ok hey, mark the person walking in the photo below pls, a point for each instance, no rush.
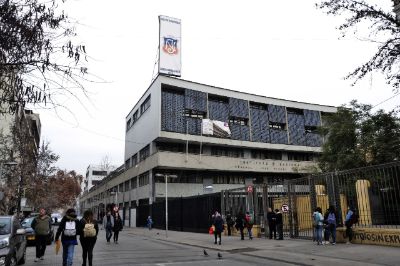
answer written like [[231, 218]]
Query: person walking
[[271, 218], [331, 221], [318, 224], [88, 236], [239, 224], [108, 225], [149, 222], [249, 224], [218, 223], [279, 224], [229, 223], [68, 229], [42, 226], [117, 226]]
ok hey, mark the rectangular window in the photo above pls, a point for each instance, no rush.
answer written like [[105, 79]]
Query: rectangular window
[[135, 117], [128, 163], [238, 121], [194, 114], [134, 183], [121, 187], [102, 173], [128, 124], [274, 125], [144, 153], [144, 179], [145, 105], [127, 186], [299, 156], [134, 160]]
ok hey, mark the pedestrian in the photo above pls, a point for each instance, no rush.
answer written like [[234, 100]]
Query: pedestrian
[[108, 225], [249, 224], [279, 224], [318, 224], [42, 226], [271, 218], [351, 219], [68, 228], [218, 223], [149, 222], [88, 236], [331, 222], [117, 226], [229, 223], [239, 224]]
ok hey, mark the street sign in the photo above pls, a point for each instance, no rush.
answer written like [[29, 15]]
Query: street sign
[[250, 189], [285, 208]]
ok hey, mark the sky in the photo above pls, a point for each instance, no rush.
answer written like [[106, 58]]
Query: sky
[[282, 49]]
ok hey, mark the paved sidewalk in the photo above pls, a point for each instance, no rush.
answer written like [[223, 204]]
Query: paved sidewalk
[[297, 252]]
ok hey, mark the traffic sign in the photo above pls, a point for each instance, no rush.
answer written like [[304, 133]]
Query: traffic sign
[[250, 189], [285, 208]]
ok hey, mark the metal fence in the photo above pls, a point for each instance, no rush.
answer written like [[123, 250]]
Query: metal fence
[[374, 193]]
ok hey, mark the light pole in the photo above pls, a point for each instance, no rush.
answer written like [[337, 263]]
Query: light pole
[[166, 198]]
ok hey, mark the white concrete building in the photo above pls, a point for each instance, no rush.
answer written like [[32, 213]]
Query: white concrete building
[[94, 174], [271, 139]]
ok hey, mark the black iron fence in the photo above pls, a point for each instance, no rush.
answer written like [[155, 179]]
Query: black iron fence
[[190, 214]]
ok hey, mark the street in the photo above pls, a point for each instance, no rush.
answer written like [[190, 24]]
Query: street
[[141, 250]]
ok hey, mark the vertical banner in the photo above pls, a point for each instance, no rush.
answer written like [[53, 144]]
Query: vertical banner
[[170, 46]]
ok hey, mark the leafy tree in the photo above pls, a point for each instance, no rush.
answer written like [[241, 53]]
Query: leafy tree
[[34, 36], [383, 29], [356, 137]]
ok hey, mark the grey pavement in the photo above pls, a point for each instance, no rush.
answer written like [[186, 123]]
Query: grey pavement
[[139, 246]]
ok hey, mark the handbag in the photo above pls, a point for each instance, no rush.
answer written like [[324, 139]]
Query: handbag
[[211, 230]]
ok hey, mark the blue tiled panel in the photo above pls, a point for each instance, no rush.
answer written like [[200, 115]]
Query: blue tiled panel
[[218, 111], [172, 109], [278, 136], [277, 114], [238, 108], [296, 129], [193, 126], [312, 118], [195, 100], [313, 140], [259, 125]]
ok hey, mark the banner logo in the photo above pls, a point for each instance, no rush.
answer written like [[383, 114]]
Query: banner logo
[[170, 46]]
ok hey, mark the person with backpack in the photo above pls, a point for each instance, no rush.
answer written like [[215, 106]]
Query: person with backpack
[[331, 221], [249, 224], [68, 228], [108, 225], [218, 223], [318, 220], [117, 226], [88, 236], [42, 226], [351, 218]]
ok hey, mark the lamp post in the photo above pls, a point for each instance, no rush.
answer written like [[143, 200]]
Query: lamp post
[[166, 198]]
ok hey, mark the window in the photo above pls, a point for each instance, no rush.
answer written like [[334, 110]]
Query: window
[[145, 105], [194, 114], [134, 160], [266, 154], [274, 125], [135, 117], [228, 152], [134, 182], [102, 173], [127, 186], [238, 121], [144, 179], [128, 124], [128, 163], [311, 129], [121, 187], [300, 156], [144, 153]]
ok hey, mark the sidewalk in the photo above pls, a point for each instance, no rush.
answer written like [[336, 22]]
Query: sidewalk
[[295, 251]]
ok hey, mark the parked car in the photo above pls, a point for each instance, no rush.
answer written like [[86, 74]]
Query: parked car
[[30, 233], [12, 241]]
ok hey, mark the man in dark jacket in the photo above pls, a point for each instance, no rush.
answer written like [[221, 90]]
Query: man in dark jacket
[[229, 223], [279, 224], [271, 218], [239, 224], [42, 226], [218, 223]]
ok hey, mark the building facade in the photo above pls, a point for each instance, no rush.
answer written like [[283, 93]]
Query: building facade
[[271, 139], [94, 175]]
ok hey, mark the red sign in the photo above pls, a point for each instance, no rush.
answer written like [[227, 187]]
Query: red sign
[[250, 189]]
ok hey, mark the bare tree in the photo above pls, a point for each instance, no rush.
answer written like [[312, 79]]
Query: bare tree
[[383, 29], [38, 61], [105, 163]]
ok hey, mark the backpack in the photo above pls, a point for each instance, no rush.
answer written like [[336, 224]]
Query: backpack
[[331, 218], [317, 219], [70, 228], [89, 230], [354, 218]]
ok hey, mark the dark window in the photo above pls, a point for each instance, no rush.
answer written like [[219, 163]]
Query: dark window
[[134, 182], [135, 117], [127, 186], [300, 156], [144, 179], [144, 153], [121, 187], [194, 114], [238, 121], [128, 124], [134, 160], [145, 105], [275, 125], [127, 164], [228, 152], [311, 129], [266, 154], [94, 172]]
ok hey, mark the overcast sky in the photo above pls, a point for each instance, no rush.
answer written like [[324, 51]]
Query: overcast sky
[[283, 49]]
